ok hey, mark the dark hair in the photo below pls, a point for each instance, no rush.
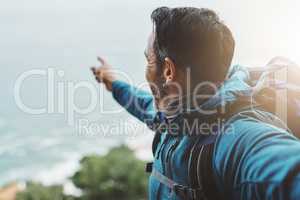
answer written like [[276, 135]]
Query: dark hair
[[195, 38]]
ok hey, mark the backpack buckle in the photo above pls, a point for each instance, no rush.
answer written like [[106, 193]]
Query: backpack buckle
[[180, 190], [149, 167], [187, 192]]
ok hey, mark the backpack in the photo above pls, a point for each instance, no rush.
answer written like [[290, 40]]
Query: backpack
[[276, 89]]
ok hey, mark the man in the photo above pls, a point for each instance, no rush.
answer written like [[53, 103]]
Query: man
[[189, 55]]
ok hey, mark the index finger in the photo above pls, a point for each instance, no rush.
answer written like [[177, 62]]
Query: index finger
[[101, 60]]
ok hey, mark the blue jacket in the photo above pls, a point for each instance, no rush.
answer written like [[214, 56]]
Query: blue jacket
[[254, 160]]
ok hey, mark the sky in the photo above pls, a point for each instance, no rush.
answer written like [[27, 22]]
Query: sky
[[68, 35]]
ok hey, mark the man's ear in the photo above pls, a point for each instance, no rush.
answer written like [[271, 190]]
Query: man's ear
[[169, 71]]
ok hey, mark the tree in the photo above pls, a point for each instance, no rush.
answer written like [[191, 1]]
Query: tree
[[117, 175], [36, 191]]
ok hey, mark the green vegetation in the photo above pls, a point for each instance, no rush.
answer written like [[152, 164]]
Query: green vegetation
[[36, 191], [117, 175]]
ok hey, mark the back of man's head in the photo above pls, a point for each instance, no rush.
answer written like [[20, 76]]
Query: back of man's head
[[194, 38]]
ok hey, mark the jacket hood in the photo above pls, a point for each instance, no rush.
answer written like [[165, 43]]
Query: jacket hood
[[236, 88]]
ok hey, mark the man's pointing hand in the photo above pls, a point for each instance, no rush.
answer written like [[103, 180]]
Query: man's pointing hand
[[104, 73]]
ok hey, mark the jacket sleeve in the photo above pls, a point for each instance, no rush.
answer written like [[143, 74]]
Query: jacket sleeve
[[137, 102], [258, 161]]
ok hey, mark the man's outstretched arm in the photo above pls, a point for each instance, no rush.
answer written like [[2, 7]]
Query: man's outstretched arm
[[258, 162], [137, 102]]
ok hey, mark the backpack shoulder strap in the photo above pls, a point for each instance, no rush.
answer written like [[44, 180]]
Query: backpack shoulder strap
[[205, 172], [155, 142], [201, 170], [158, 127]]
